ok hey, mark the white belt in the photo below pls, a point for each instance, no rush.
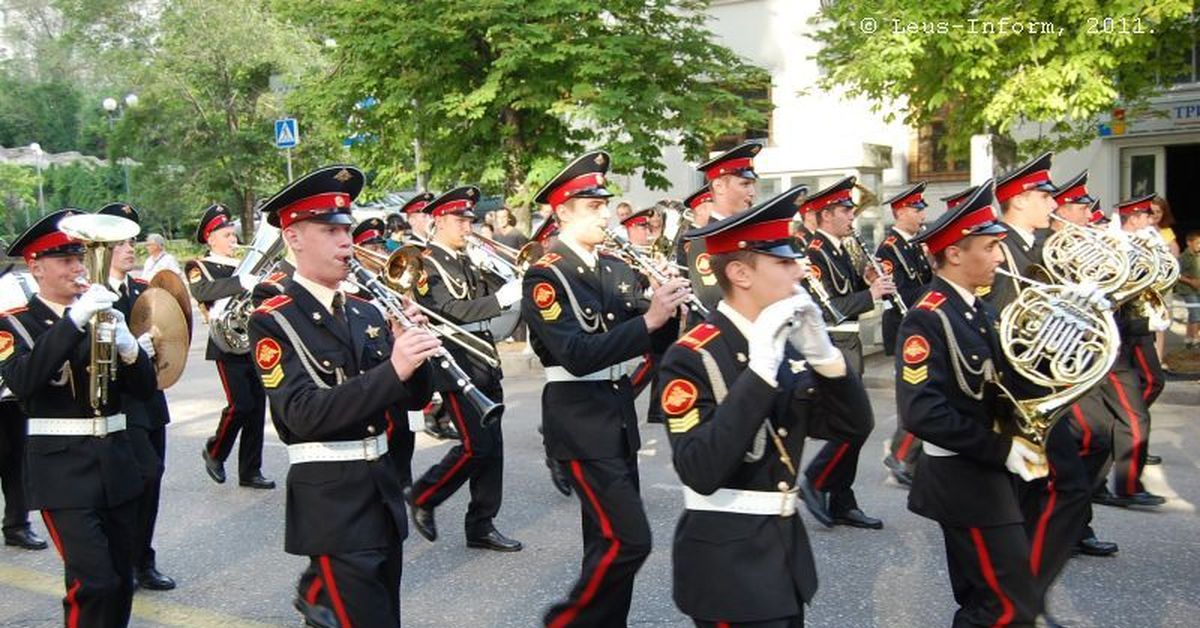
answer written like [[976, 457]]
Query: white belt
[[742, 502], [477, 326], [850, 327], [933, 450], [560, 374], [338, 451], [100, 426]]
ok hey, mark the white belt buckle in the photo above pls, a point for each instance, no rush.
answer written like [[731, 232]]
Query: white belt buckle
[[100, 426], [789, 503], [370, 448]]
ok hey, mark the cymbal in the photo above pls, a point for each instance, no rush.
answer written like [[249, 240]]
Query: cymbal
[[171, 282], [157, 309]]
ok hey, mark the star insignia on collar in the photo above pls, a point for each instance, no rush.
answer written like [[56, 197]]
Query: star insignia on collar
[[372, 331], [741, 357], [623, 287], [797, 366], [343, 175]]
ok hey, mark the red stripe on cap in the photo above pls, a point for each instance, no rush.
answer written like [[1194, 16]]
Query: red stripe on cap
[[564, 192], [1097, 216], [451, 207], [218, 221], [726, 167], [960, 229], [315, 205], [634, 221], [51, 240], [1021, 184], [956, 201], [369, 234], [1133, 208], [416, 207], [911, 199], [732, 239], [700, 199], [821, 202], [1070, 195]]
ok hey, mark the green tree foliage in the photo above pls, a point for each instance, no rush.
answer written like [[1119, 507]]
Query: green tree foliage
[[500, 92], [36, 111], [18, 196], [938, 61]]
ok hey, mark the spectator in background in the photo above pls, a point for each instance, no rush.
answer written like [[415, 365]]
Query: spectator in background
[[624, 210], [158, 259], [486, 231], [397, 229], [1189, 287], [1162, 219], [506, 229], [656, 224]]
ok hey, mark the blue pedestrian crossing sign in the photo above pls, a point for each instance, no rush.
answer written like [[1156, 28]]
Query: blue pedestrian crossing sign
[[287, 133]]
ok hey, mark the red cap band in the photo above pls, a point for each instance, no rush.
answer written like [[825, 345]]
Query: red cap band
[[960, 229], [1133, 208], [727, 167], [911, 199], [316, 205], [452, 207], [564, 192], [1021, 184], [635, 221], [51, 240], [736, 238], [416, 207], [369, 234], [1070, 195], [822, 202], [700, 199], [1097, 216], [220, 220]]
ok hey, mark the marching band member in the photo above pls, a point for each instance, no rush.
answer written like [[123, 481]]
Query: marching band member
[[828, 489], [454, 288], [210, 279], [146, 420], [585, 319], [333, 373], [418, 220], [82, 473], [742, 393], [645, 374]]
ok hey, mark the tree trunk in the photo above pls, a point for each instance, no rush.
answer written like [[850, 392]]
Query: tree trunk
[[514, 168]]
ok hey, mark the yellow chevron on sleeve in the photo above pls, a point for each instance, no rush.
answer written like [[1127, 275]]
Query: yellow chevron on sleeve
[[682, 424], [915, 375]]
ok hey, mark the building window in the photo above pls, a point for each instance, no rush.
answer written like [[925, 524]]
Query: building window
[[928, 158]]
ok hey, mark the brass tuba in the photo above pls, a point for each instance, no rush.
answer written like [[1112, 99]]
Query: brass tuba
[[99, 232], [229, 318]]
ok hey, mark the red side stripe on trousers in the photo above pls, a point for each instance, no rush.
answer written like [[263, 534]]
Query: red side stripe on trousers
[[1039, 535], [310, 595], [72, 603], [819, 484], [1086, 446], [226, 416], [338, 607], [468, 451], [902, 451], [605, 562], [641, 372], [1141, 358], [1136, 428], [989, 576]]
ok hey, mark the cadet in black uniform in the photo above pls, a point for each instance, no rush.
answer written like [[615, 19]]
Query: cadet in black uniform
[[333, 374], [906, 262], [645, 374], [586, 318], [82, 473], [742, 392], [146, 419], [456, 289], [829, 487], [211, 279], [964, 480]]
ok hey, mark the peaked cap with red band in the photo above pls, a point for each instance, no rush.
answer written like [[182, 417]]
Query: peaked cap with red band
[[1032, 175], [120, 210], [214, 217], [1096, 216], [369, 231], [956, 199], [638, 218], [1074, 191], [323, 195], [582, 178], [43, 239], [738, 161], [699, 197], [765, 229], [837, 194], [548, 229], [909, 198], [1139, 205], [416, 204], [458, 202], [975, 216]]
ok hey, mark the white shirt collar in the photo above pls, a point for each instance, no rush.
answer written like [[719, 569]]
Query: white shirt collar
[[1026, 236], [115, 284], [967, 295], [834, 240], [57, 308], [445, 248], [743, 324], [323, 295], [904, 234], [588, 258]]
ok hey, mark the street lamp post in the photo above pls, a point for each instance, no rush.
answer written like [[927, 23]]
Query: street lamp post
[[37, 155], [115, 110]]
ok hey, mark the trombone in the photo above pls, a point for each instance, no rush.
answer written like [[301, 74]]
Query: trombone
[[401, 269], [504, 261]]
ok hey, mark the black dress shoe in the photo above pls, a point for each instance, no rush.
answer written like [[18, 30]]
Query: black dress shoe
[[150, 578], [494, 541], [1092, 546], [898, 471], [1143, 499], [558, 476], [316, 615], [422, 518], [1104, 497], [214, 467], [817, 503], [1153, 459], [257, 481], [857, 519], [24, 539]]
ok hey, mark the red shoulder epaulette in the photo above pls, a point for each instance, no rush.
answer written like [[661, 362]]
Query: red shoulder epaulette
[[699, 336], [276, 277], [14, 311], [547, 259], [273, 303], [932, 301], [890, 240], [815, 244], [141, 281], [426, 252], [355, 296]]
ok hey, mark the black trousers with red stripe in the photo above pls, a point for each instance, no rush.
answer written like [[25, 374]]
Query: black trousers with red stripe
[[95, 545], [905, 446], [478, 459], [244, 413], [1149, 369], [359, 588], [990, 577], [150, 451], [616, 541], [13, 426], [1090, 421], [835, 466], [1131, 429]]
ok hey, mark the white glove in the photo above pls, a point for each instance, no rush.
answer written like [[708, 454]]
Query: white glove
[[146, 342], [509, 293], [1088, 294], [248, 281], [768, 338], [1026, 463], [96, 299], [127, 345], [809, 335]]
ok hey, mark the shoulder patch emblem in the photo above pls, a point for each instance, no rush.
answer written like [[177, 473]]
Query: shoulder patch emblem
[[699, 336], [915, 350], [931, 301], [679, 396], [704, 269], [7, 344], [914, 375], [273, 303], [546, 299], [815, 271], [267, 354], [194, 274], [887, 266]]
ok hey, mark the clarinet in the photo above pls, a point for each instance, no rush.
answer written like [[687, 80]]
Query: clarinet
[[638, 259], [893, 299], [816, 289], [488, 410]]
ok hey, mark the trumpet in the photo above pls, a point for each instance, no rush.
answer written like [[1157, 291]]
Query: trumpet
[[393, 304], [893, 299], [646, 265]]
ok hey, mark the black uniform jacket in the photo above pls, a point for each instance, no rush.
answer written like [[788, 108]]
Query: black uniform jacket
[[972, 488], [44, 361], [1019, 258], [731, 566], [700, 273], [907, 264], [585, 321], [272, 284], [847, 289], [153, 413], [328, 380], [454, 288], [209, 281]]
